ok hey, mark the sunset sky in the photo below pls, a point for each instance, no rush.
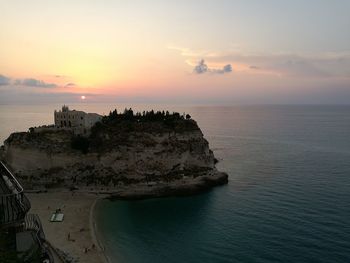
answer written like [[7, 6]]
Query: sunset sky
[[183, 51]]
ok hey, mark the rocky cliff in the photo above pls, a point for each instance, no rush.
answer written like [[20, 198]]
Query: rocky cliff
[[120, 152]]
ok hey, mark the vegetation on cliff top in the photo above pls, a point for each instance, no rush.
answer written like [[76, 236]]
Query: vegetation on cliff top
[[159, 121], [114, 130], [129, 128]]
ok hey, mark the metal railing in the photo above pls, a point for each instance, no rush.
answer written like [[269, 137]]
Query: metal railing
[[14, 207], [32, 222], [13, 203]]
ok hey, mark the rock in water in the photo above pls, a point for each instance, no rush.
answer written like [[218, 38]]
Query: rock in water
[[167, 154]]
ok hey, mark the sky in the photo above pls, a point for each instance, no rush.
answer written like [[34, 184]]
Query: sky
[[183, 51]]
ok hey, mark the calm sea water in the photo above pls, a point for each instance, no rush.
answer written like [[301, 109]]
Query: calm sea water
[[288, 198]]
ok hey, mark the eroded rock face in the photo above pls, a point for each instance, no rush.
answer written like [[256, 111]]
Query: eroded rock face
[[113, 158]]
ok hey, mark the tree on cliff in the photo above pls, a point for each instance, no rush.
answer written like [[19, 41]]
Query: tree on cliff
[[80, 143]]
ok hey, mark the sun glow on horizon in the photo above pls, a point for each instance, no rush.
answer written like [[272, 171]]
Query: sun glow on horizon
[[102, 50]]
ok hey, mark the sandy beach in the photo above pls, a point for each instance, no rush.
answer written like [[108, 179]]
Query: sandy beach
[[76, 234], [77, 209]]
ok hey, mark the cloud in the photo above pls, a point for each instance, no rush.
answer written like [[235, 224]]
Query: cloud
[[186, 52], [318, 65], [4, 80], [69, 85], [202, 68], [59, 76], [226, 69], [9, 96], [33, 90], [30, 82], [300, 67]]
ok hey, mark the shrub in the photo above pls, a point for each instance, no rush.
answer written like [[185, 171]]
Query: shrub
[[80, 143]]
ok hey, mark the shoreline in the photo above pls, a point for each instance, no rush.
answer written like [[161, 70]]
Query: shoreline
[[77, 236], [94, 233]]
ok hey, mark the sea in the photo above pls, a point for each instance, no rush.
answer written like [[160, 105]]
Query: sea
[[287, 200]]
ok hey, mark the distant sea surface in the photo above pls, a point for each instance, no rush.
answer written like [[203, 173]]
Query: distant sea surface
[[288, 197]]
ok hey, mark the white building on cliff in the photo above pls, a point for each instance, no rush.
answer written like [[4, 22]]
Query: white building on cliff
[[78, 121]]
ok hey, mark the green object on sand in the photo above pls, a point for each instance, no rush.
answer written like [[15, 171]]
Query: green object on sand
[[57, 217]]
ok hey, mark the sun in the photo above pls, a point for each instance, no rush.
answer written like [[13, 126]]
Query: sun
[[82, 97]]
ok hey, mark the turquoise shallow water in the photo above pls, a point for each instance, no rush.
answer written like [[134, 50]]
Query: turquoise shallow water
[[287, 199]]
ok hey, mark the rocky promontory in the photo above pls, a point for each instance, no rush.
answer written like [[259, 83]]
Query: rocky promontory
[[140, 155]]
